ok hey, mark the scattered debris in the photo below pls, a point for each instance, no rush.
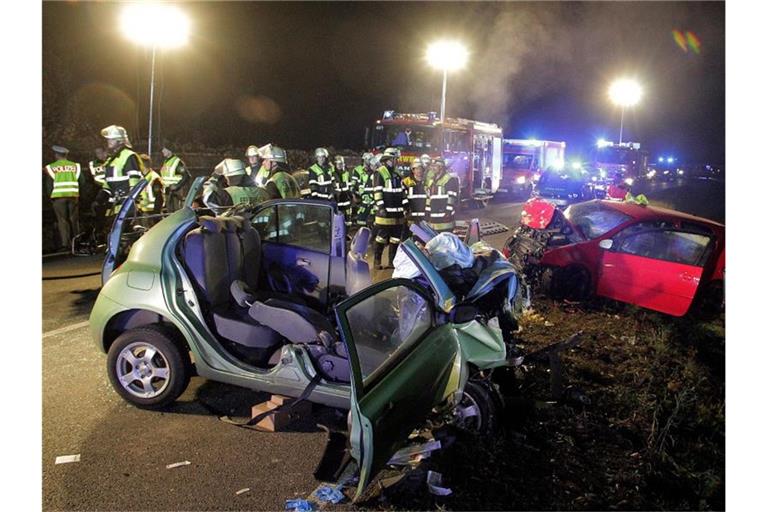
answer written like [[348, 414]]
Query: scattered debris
[[413, 454], [435, 484], [327, 493], [178, 464], [65, 459], [242, 491], [298, 505]]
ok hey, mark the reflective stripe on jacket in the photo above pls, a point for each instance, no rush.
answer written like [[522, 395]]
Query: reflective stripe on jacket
[[147, 197], [443, 195], [168, 172], [65, 175], [322, 182], [389, 197]]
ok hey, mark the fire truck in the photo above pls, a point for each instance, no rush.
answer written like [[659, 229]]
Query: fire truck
[[612, 160], [525, 159], [471, 149]]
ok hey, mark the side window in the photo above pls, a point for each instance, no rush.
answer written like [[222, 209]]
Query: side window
[[305, 225], [385, 325], [648, 244], [265, 222], [667, 245]]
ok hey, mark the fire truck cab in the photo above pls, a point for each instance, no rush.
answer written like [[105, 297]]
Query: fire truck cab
[[471, 149], [524, 161]]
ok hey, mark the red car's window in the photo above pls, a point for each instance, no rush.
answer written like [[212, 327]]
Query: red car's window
[[594, 219], [674, 246]]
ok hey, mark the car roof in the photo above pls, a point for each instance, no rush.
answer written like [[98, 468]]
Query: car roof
[[649, 213]]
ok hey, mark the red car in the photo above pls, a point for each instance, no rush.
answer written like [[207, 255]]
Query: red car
[[652, 257]]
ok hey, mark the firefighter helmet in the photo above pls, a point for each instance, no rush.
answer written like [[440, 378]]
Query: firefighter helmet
[[367, 156], [274, 153], [425, 159], [115, 132], [438, 160], [339, 161], [252, 151], [230, 167], [321, 152], [416, 164], [389, 153]]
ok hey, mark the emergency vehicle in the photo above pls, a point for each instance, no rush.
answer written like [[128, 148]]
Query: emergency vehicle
[[471, 149], [525, 159], [625, 159]]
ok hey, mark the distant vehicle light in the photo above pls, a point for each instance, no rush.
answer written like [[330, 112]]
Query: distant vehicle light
[[602, 173], [651, 174], [520, 180], [594, 178], [388, 114], [670, 160], [661, 159], [629, 181], [576, 165], [680, 172], [558, 164], [602, 143]]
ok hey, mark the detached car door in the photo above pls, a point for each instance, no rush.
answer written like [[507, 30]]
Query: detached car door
[[400, 367], [655, 267], [298, 241]]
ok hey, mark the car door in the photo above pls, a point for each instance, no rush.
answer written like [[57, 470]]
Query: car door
[[401, 365], [655, 267], [117, 251], [298, 243]]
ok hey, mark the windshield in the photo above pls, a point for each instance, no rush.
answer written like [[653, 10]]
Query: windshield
[[594, 219], [616, 156], [517, 161], [406, 137]]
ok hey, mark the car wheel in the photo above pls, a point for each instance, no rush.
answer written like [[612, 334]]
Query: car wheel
[[478, 411], [147, 368], [571, 283], [710, 303]]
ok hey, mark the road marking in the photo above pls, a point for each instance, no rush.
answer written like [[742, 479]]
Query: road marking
[[65, 329]]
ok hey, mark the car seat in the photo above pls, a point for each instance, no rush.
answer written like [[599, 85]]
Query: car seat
[[358, 270]]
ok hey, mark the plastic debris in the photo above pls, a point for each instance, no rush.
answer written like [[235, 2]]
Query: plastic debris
[[298, 505], [327, 493], [447, 249], [415, 453], [65, 459], [178, 464], [242, 491], [404, 266], [435, 484]]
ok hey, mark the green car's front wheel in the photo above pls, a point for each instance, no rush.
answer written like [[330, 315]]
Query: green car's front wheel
[[477, 412], [147, 368]]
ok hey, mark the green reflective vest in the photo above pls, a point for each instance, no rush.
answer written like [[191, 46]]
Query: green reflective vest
[[147, 197], [251, 195], [168, 171], [262, 176], [64, 174], [286, 185]]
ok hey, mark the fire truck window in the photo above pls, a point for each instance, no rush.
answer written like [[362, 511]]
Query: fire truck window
[[408, 137], [517, 161], [456, 141]]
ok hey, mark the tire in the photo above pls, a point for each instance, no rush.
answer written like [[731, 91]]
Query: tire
[[478, 412], [571, 283], [709, 303], [166, 373]]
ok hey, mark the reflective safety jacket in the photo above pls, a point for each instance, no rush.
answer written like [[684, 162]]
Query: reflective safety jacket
[[389, 197], [416, 193], [261, 177], [322, 182], [251, 195], [97, 171], [122, 172], [343, 190], [65, 175], [361, 186], [284, 183], [443, 196], [172, 171], [151, 198]]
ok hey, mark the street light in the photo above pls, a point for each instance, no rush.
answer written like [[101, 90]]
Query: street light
[[157, 26], [625, 93], [446, 56]]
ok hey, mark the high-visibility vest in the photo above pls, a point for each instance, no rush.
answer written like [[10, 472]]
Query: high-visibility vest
[[64, 174], [168, 171], [389, 197], [251, 195], [321, 182], [97, 171], [443, 195], [262, 177], [286, 185], [147, 197], [117, 181], [416, 193]]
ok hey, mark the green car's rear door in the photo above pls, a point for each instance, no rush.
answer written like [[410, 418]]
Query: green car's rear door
[[401, 365]]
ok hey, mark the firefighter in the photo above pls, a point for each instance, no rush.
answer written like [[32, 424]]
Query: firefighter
[[151, 198], [426, 161], [65, 194], [230, 185], [321, 177], [96, 166], [416, 193], [98, 210], [390, 202], [343, 193], [362, 190], [275, 175], [175, 178], [122, 170], [253, 155], [261, 176], [442, 197]]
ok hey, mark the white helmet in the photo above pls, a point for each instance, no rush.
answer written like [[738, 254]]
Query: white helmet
[[321, 152], [274, 153], [230, 167], [115, 132], [252, 151], [367, 157], [425, 159]]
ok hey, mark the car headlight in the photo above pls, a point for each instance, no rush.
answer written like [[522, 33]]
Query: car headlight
[[602, 173], [629, 181], [680, 172], [520, 180], [594, 178]]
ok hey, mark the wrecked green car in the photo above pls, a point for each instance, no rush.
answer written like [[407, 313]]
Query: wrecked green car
[[271, 299]]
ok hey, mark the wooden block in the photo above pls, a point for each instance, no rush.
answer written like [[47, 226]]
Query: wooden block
[[301, 409], [273, 422]]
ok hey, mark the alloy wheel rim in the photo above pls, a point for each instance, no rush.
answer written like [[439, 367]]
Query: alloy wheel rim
[[142, 370], [467, 414]]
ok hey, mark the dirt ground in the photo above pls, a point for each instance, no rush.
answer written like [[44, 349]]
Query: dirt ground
[[641, 425]]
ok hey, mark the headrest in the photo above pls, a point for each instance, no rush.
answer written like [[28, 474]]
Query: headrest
[[210, 224]]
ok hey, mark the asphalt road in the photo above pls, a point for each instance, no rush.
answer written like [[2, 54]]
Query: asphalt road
[[124, 450]]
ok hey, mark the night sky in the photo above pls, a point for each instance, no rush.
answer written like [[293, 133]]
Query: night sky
[[307, 74]]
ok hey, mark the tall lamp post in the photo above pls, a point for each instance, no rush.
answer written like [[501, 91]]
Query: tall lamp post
[[446, 56], [625, 92], [157, 26]]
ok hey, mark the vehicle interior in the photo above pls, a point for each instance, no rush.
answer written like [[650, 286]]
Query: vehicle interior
[[224, 259]]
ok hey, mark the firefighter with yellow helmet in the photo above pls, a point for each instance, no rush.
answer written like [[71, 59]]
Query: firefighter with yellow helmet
[[175, 177], [416, 193], [254, 159]]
